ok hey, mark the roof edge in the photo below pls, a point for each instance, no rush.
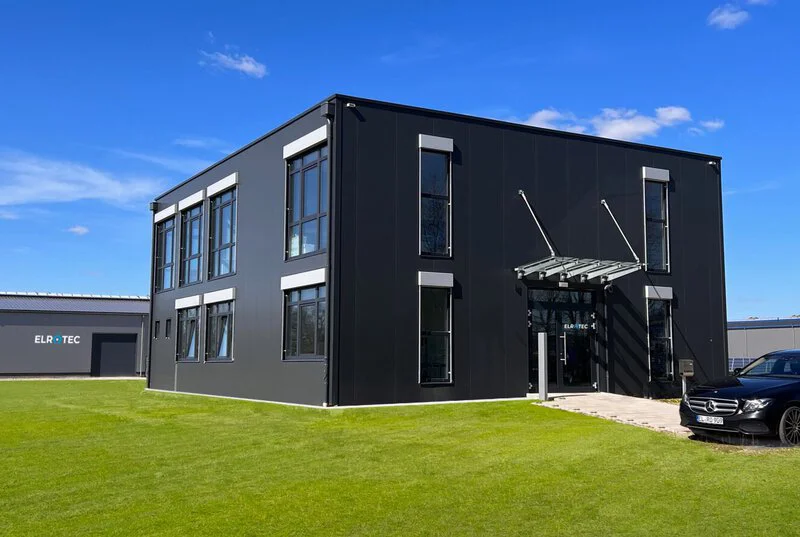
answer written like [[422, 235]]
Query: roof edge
[[34, 294]]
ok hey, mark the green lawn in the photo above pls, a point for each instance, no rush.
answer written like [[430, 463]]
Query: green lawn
[[106, 458]]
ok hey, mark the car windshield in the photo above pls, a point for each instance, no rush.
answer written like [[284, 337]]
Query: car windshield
[[774, 365]]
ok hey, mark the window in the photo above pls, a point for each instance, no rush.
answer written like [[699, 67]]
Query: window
[[659, 331], [434, 203], [435, 333], [222, 235], [307, 203], [168, 329], [187, 334], [219, 336], [191, 245], [156, 330], [165, 234], [305, 323], [656, 216]]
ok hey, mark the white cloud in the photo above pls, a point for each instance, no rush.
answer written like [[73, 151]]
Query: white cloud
[[671, 115], [728, 17], [696, 131], [624, 124], [712, 124], [27, 179], [210, 37], [550, 118], [186, 166], [8, 215], [242, 63], [78, 230]]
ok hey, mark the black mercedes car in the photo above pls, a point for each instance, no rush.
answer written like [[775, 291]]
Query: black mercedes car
[[761, 399]]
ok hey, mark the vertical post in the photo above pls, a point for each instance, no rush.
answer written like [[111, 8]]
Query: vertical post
[[542, 341], [683, 385]]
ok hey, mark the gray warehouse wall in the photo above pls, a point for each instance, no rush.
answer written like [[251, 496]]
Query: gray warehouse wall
[[20, 354], [754, 342]]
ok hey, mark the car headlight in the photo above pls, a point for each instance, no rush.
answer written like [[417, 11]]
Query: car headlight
[[751, 405]]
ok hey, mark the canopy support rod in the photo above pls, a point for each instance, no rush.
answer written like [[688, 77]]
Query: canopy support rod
[[533, 214], [604, 203]]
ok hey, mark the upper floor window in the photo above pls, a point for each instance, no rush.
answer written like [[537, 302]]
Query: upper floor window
[[307, 203], [222, 235], [165, 253], [434, 203], [188, 330], [219, 328], [305, 323], [659, 336], [191, 244], [656, 213]]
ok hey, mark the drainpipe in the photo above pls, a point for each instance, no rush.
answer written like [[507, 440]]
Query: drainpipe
[[327, 110]]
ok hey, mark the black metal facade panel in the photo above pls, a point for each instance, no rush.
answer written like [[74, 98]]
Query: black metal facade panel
[[257, 370], [565, 177], [24, 349]]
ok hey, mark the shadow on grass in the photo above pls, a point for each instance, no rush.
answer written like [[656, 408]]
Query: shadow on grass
[[743, 441]]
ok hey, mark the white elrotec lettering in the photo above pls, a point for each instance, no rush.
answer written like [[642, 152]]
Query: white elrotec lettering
[[57, 339]]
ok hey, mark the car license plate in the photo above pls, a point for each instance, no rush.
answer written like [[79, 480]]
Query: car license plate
[[712, 420]]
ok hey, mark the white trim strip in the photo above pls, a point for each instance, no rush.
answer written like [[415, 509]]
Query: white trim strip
[[434, 279], [188, 302], [223, 184], [437, 143], [305, 142], [223, 295], [303, 279], [658, 293], [192, 200], [655, 174], [163, 214]]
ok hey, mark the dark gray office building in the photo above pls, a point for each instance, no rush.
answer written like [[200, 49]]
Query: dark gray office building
[[367, 252], [87, 335]]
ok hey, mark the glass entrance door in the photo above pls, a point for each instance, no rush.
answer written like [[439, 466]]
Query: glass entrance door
[[568, 318]]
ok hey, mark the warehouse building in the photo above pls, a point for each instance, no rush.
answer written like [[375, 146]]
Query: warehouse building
[[44, 334], [368, 252], [753, 338]]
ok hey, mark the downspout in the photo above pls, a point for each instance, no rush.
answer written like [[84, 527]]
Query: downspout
[[154, 210], [327, 110]]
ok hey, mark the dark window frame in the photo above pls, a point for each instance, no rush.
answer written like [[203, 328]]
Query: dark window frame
[[156, 329], [664, 231], [187, 218], [164, 259], [168, 328], [184, 320], [216, 207], [669, 374], [321, 216], [448, 198], [320, 303], [426, 333], [213, 315]]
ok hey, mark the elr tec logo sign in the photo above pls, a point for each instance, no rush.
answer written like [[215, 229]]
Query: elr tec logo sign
[[57, 339]]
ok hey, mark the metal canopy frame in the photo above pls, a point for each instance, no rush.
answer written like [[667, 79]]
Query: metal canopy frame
[[572, 267]]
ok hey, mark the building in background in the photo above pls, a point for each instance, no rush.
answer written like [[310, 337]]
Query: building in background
[[58, 334], [750, 339], [368, 252]]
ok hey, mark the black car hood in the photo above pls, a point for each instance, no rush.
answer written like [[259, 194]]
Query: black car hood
[[743, 387]]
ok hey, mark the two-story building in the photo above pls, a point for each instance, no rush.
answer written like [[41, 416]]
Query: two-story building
[[368, 252]]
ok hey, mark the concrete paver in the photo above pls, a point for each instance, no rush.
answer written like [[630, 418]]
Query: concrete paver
[[655, 415]]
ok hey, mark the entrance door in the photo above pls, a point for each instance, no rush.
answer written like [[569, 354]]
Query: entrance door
[[568, 318], [113, 355]]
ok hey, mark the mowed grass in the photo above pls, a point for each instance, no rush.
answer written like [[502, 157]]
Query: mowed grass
[[107, 458]]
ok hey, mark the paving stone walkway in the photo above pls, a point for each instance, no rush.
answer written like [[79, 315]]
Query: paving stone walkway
[[648, 413]]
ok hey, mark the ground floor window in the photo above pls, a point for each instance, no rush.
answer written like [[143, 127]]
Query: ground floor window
[[435, 335], [188, 330], [659, 326], [305, 323], [219, 332]]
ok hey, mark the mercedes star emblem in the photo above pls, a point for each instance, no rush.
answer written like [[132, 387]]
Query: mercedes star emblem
[[711, 406]]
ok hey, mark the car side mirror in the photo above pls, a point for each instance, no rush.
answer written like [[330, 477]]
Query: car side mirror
[[736, 371]]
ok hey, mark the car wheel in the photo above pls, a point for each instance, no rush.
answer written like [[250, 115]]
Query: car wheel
[[789, 429]]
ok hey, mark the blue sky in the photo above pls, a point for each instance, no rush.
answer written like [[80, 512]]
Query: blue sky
[[104, 104]]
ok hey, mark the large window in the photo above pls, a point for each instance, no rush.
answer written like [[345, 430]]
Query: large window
[[307, 203], [656, 212], [435, 334], [188, 331], [305, 323], [219, 327], [222, 235], [191, 244], [165, 254], [659, 327], [434, 203]]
